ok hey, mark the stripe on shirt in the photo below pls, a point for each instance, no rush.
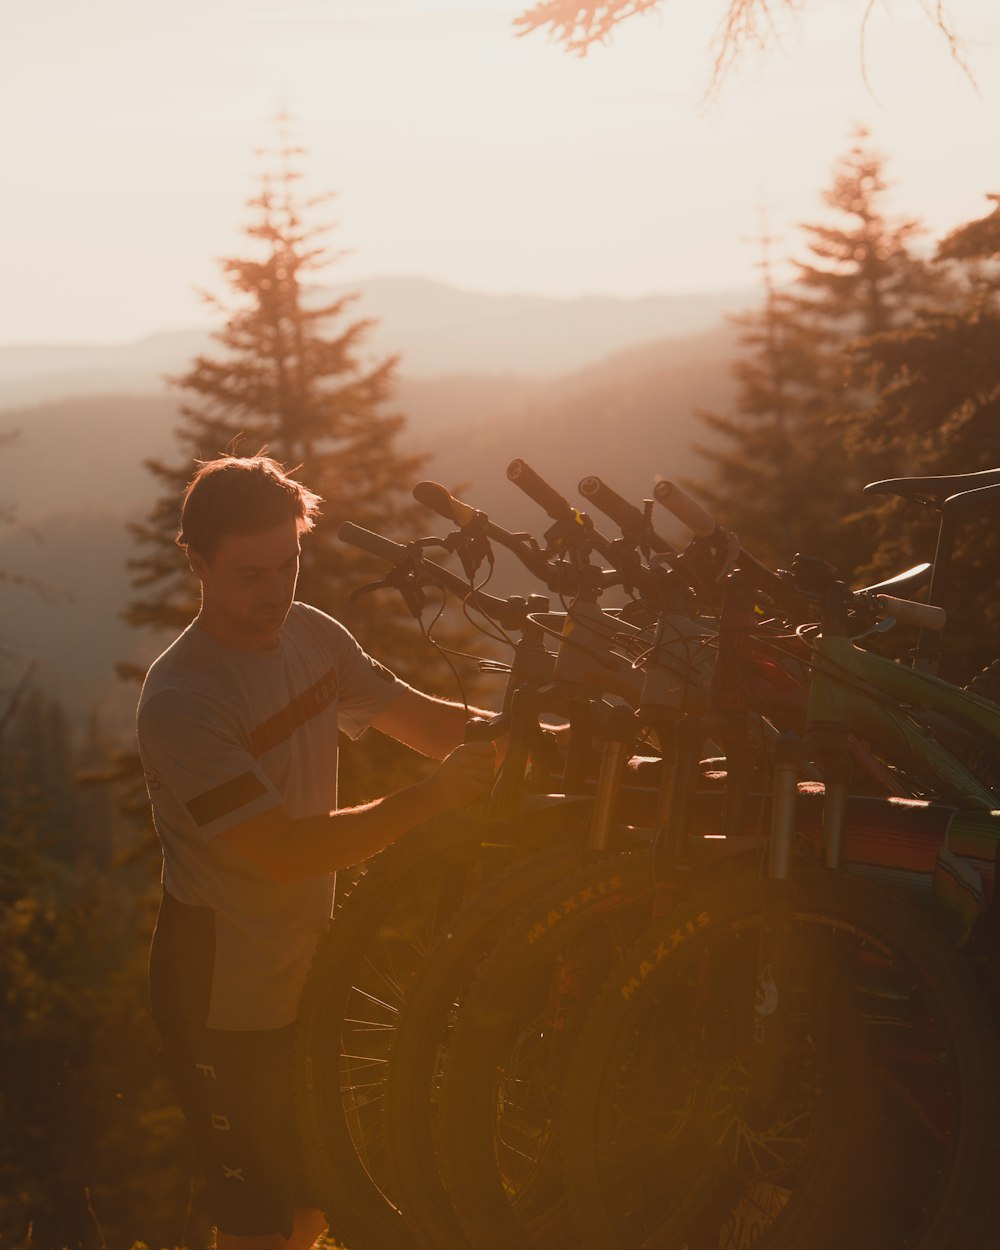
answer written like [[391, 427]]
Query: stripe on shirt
[[302, 708], [225, 798]]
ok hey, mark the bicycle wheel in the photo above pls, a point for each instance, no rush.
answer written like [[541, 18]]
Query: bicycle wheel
[[880, 1134], [425, 1023], [359, 978], [504, 1066]]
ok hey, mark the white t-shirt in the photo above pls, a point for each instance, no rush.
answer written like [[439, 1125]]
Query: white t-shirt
[[225, 734]]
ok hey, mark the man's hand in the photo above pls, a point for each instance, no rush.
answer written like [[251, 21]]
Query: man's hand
[[288, 849], [465, 776]]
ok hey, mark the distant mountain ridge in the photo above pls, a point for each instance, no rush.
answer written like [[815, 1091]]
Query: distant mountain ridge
[[85, 452], [435, 328], [74, 477], [439, 329]]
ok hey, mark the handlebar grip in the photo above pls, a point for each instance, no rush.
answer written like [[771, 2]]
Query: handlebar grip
[[624, 514], [374, 544], [684, 508], [434, 496], [923, 615], [547, 498]]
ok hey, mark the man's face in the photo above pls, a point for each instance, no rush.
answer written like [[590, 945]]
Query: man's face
[[247, 586]]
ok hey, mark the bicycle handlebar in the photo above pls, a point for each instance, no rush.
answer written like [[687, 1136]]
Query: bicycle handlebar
[[561, 579], [547, 497], [499, 610], [625, 515], [684, 508], [440, 500], [704, 525], [374, 544]]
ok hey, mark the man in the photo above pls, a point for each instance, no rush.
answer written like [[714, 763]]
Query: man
[[237, 727]]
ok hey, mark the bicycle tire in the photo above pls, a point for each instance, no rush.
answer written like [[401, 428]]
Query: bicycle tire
[[431, 1008], [495, 1156], [646, 1164], [375, 943], [435, 999]]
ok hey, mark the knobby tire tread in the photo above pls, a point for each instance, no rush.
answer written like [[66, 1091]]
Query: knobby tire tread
[[358, 1212], [436, 994], [830, 1218], [505, 987]]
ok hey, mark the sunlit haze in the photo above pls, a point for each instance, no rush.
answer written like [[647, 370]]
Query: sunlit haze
[[457, 151]]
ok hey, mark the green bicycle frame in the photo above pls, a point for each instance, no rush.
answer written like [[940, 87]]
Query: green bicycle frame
[[882, 702]]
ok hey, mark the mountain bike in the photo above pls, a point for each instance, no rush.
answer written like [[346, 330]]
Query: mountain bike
[[345, 1050], [363, 1094], [511, 999], [495, 1144], [409, 893], [745, 1060], [677, 665]]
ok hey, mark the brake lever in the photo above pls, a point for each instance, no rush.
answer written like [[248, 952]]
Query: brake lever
[[880, 627], [400, 578], [367, 589], [471, 545]]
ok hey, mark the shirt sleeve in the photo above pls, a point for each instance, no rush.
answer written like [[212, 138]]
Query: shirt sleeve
[[365, 687], [190, 751]]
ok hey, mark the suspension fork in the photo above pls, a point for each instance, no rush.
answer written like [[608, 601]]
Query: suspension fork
[[734, 732], [773, 956], [734, 721], [824, 743], [581, 714], [619, 736], [670, 836], [827, 747], [522, 721], [727, 721]]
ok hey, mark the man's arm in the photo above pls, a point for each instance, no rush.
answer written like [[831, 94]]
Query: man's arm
[[431, 726], [290, 849]]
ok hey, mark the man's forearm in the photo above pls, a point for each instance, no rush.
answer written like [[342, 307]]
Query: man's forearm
[[432, 726], [314, 845], [290, 848]]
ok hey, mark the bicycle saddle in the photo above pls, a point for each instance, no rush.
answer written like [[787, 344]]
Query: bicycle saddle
[[984, 498], [933, 491]]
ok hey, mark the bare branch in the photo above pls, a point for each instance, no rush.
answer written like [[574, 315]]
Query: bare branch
[[939, 16], [580, 24], [746, 22]]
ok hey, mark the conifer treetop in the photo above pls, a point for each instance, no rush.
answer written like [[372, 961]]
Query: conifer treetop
[[290, 377]]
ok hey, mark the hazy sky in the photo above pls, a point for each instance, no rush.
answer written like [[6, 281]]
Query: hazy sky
[[457, 151]]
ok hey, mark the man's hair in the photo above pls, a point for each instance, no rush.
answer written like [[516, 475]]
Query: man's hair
[[241, 495]]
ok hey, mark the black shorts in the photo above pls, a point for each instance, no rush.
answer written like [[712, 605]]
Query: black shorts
[[235, 1089]]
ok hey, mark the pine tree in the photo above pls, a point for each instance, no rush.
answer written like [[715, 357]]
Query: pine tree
[[864, 276], [292, 379], [754, 455], [937, 411], [787, 475]]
